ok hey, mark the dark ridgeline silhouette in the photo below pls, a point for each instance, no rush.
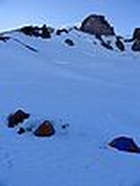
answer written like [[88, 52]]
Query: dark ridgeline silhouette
[[43, 32]]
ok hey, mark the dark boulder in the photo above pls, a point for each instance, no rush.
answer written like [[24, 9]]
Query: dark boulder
[[119, 44], [136, 46], [69, 42], [136, 34], [97, 24], [45, 129], [124, 144], [18, 117]]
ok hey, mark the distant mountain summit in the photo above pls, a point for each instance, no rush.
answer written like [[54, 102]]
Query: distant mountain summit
[[94, 25]]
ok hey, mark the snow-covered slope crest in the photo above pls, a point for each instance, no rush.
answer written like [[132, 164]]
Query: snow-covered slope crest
[[93, 89], [29, 33]]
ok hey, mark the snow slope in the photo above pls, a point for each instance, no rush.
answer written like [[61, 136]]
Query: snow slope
[[94, 90]]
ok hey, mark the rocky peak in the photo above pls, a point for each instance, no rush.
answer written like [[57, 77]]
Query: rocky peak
[[97, 25]]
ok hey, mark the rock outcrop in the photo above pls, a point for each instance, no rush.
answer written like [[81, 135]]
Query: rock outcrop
[[97, 25]]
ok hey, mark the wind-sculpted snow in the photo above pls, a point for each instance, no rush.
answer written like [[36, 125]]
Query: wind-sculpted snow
[[92, 89]]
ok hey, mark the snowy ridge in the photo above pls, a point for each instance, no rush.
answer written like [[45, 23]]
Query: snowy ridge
[[93, 89]]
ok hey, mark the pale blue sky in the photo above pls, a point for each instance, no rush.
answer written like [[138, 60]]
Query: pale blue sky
[[124, 14]]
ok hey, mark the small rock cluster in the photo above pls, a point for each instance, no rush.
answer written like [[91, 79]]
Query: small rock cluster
[[44, 129]]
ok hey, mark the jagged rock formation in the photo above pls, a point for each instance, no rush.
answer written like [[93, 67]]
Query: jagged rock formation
[[97, 25]]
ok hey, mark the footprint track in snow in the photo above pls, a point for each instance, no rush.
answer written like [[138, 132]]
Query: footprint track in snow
[[6, 159]]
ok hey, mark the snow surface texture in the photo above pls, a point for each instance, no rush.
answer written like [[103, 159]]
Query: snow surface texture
[[94, 90]]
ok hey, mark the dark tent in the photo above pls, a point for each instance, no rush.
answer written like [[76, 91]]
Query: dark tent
[[125, 144]]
